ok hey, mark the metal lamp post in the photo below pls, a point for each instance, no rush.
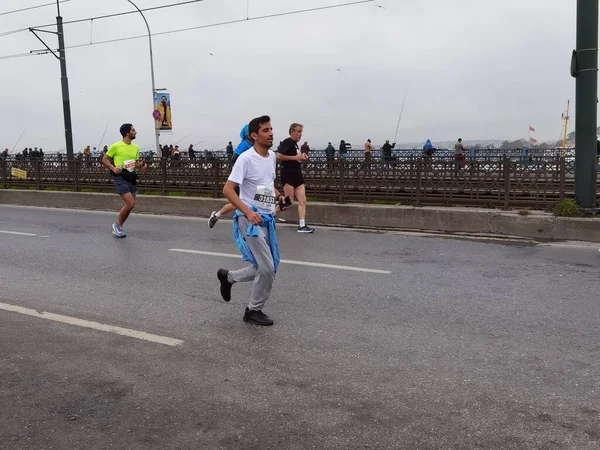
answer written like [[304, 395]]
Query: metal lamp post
[[584, 67], [154, 91]]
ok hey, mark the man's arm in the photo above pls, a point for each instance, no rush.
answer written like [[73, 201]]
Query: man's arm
[[288, 152], [107, 161], [298, 157], [281, 198], [234, 199], [141, 164]]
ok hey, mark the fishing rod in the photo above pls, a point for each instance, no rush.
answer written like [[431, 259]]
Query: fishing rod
[[400, 118], [185, 137], [19, 140], [104, 134]]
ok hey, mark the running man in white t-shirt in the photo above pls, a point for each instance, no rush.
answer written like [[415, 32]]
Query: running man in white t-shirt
[[254, 221]]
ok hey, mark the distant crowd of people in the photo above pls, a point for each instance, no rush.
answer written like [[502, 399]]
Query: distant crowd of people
[[27, 154], [173, 153]]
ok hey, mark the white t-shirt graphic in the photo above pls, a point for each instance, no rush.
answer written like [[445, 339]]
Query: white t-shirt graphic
[[256, 176]]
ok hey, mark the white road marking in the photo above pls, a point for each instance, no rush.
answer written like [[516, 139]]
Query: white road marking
[[571, 244], [93, 325], [17, 233], [286, 261]]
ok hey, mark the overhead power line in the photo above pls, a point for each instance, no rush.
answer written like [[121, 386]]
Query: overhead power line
[[180, 30], [31, 7], [106, 16], [21, 55], [124, 13]]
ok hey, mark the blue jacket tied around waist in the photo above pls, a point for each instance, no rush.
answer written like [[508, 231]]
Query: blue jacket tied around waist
[[252, 231]]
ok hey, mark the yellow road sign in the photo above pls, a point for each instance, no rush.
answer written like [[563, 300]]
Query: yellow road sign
[[19, 173]]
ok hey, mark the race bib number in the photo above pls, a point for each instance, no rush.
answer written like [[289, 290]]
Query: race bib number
[[265, 197], [129, 165]]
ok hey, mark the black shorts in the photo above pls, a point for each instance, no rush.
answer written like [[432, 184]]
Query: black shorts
[[292, 177], [125, 187]]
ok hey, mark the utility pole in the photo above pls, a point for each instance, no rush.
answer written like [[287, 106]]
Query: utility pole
[[584, 67], [63, 76], [64, 80], [154, 90]]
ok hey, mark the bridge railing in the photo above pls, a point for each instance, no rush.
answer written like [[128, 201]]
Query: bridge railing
[[494, 181]]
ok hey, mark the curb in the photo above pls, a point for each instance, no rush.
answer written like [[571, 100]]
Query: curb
[[537, 225]]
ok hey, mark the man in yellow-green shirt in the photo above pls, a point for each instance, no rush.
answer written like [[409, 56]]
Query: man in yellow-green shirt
[[122, 159]]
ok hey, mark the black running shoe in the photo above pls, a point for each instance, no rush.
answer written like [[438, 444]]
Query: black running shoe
[[257, 318], [225, 284]]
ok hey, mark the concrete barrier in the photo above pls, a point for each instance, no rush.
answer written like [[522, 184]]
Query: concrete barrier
[[537, 225]]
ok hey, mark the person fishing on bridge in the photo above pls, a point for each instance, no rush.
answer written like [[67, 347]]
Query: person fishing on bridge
[[428, 150]]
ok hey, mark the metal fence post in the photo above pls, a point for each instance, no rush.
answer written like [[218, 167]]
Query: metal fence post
[[562, 169], [3, 163], [215, 163], [163, 172], [38, 174], [419, 174], [75, 164], [506, 169], [341, 166]]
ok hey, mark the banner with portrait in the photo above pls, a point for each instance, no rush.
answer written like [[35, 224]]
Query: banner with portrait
[[164, 122]]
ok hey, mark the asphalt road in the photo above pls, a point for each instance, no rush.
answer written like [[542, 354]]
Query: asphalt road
[[463, 345]]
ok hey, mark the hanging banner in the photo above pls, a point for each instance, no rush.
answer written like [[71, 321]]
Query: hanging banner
[[163, 107], [18, 173]]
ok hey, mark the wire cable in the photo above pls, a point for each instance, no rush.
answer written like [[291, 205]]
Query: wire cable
[[31, 7], [106, 16], [180, 30]]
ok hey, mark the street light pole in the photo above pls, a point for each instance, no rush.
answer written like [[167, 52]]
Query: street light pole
[[156, 130], [584, 67], [65, 84]]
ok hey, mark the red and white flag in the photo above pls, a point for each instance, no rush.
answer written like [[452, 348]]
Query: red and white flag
[[531, 128], [533, 140]]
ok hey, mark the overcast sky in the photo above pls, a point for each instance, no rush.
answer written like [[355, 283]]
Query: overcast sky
[[471, 68]]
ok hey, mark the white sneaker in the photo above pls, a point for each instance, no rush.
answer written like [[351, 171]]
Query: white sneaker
[[213, 219]]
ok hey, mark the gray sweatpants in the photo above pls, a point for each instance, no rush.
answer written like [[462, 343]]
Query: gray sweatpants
[[263, 274]]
